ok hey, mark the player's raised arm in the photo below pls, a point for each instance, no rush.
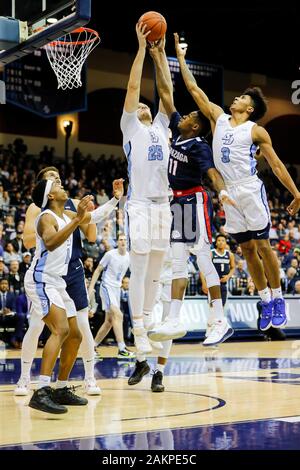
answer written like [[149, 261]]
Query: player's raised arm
[[29, 236], [261, 137], [209, 109], [134, 83], [163, 77]]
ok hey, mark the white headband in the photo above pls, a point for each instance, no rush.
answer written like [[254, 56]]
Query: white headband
[[46, 192]]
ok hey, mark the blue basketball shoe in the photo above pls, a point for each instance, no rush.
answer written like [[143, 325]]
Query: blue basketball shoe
[[265, 320], [279, 316]]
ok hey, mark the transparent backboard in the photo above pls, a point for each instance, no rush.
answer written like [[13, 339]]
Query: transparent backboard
[[46, 20]]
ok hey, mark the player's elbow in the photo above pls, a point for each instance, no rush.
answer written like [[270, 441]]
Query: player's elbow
[[28, 241], [91, 238]]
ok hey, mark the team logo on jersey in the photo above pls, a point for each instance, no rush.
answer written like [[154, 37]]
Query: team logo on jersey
[[154, 138], [228, 138], [176, 234]]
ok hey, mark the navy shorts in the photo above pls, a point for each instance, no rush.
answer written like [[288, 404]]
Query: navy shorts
[[76, 285], [243, 237], [185, 222]]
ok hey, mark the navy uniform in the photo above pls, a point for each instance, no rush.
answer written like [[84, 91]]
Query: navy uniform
[[222, 265], [75, 276], [189, 160]]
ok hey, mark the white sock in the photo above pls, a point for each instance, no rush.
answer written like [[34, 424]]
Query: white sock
[[121, 346], [175, 309], [277, 293], [165, 352], [61, 383], [147, 319], [44, 381], [139, 323], [160, 367], [265, 295], [29, 345], [217, 309], [86, 350]]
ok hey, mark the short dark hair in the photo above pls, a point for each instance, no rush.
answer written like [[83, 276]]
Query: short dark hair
[[259, 103], [38, 193], [40, 175], [220, 235]]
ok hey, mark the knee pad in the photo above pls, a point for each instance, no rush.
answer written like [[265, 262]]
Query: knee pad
[[208, 270]]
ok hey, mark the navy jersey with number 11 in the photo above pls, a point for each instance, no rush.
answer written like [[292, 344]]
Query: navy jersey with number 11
[[189, 159]]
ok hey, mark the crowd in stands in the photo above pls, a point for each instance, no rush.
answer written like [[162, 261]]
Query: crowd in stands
[[87, 175]]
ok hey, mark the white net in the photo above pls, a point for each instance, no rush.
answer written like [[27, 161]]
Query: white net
[[68, 53]]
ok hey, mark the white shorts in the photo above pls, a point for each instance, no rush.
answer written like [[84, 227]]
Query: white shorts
[[42, 295], [252, 211], [110, 296], [148, 226]]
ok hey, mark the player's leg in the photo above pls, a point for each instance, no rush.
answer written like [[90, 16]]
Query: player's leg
[[104, 328], [29, 347], [87, 352], [256, 269], [271, 268], [117, 324], [171, 328], [157, 378], [76, 289], [42, 399], [220, 329]]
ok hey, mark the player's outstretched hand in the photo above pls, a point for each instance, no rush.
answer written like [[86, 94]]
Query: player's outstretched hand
[[141, 34], [83, 206], [180, 51], [294, 206], [118, 188]]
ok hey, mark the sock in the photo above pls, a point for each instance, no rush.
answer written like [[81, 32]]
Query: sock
[[147, 319], [88, 369], [121, 346], [139, 323], [277, 293], [217, 309], [61, 384], [175, 309], [44, 381], [160, 367], [140, 358], [265, 295], [25, 367]]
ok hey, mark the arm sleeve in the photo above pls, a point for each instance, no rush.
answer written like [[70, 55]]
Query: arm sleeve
[[103, 211], [130, 124]]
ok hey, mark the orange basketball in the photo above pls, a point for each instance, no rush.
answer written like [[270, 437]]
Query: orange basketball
[[156, 22]]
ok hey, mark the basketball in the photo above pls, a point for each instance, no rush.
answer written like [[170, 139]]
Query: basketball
[[156, 23]]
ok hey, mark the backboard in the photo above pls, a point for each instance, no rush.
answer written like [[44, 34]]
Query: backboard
[[45, 21]]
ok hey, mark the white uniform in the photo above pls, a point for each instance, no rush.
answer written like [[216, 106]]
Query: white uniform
[[43, 281], [147, 207], [234, 157], [115, 266], [165, 280]]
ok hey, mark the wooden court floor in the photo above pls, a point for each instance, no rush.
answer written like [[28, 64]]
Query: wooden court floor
[[207, 391]]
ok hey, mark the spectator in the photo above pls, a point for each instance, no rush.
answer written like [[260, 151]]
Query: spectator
[[25, 263], [285, 245], [7, 307], [3, 270], [101, 197], [18, 243], [88, 267], [290, 280], [241, 278], [296, 290], [10, 254], [16, 280], [9, 228]]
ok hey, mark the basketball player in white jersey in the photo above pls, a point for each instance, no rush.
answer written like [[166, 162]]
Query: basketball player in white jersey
[[235, 140], [75, 287], [113, 265], [46, 290], [145, 142]]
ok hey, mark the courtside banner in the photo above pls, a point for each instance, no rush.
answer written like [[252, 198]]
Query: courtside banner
[[241, 312]]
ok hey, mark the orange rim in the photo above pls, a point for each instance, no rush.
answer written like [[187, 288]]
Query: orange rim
[[77, 43]]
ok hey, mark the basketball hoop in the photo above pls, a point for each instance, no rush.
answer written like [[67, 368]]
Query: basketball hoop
[[68, 53]]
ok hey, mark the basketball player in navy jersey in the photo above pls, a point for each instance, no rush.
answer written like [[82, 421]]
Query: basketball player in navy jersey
[[224, 263], [235, 140], [75, 288], [190, 158]]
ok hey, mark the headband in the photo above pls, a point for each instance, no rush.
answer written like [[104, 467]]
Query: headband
[[46, 193]]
